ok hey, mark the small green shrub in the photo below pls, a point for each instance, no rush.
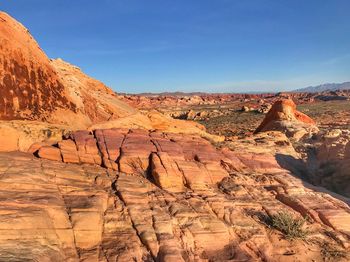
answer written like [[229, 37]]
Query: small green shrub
[[291, 227]]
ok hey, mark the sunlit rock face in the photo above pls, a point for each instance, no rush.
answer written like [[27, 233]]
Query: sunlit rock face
[[33, 87], [135, 195], [284, 117], [29, 85]]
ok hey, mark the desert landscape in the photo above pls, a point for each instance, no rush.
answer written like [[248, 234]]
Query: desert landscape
[[90, 174]]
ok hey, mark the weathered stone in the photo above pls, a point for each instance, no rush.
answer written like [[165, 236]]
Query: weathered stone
[[50, 152], [166, 173], [338, 219], [90, 213], [69, 151], [87, 147]]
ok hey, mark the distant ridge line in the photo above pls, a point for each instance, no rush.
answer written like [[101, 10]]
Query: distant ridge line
[[325, 87]]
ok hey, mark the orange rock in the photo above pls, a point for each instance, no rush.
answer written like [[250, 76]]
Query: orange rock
[[170, 147], [338, 219], [166, 173], [260, 162], [231, 161], [25, 69], [69, 151], [36, 146], [36, 88], [89, 210], [50, 152], [135, 152], [87, 147], [195, 174], [283, 110], [172, 159]]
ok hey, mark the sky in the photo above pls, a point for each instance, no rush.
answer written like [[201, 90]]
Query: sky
[[138, 46]]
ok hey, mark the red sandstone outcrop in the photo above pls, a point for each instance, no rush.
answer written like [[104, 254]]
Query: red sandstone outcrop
[[178, 199], [284, 117], [29, 86], [174, 160], [92, 99], [35, 88]]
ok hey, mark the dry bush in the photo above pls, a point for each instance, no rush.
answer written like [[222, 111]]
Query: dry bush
[[291, 227]]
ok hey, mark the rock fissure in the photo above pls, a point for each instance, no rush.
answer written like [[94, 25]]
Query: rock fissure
[[119, 195]]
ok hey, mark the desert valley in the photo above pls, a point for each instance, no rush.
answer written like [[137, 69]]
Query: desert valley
[[89, 174]]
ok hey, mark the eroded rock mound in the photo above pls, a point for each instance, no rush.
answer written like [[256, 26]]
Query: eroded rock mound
[[93, 100], [29, 86], [284, 117], [33, 87]]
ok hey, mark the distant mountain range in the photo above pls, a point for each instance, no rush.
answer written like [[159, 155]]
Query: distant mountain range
[[176, 93], [325, 87], [309, 89]]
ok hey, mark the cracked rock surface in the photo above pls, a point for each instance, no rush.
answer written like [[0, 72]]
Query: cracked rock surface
[[180, 200]]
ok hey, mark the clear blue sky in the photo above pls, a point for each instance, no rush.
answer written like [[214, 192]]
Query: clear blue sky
[[195, 45]]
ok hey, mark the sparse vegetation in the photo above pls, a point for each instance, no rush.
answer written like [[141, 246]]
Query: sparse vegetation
[[234, 123], [138, 167], [332, 253], [291, 227]]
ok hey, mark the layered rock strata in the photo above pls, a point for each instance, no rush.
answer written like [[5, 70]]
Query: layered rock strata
[[174, 161], [56, 211]]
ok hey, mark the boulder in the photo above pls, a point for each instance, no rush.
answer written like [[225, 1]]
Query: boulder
[[50, 152], [284, 117]]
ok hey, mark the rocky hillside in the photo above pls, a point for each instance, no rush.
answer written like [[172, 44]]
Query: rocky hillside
[[133, 195], [34, 87], [30, 87], [170, 197]]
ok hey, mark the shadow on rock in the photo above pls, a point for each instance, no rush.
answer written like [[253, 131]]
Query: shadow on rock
[[304, 170]]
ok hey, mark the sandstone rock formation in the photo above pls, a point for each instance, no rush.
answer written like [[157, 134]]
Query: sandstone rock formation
[[21, 135], [284, 117], [102, 181], [173, 160], [91, 97], [154, 120], [35, 88], [30, 87], [331, 153], [171, 198]]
